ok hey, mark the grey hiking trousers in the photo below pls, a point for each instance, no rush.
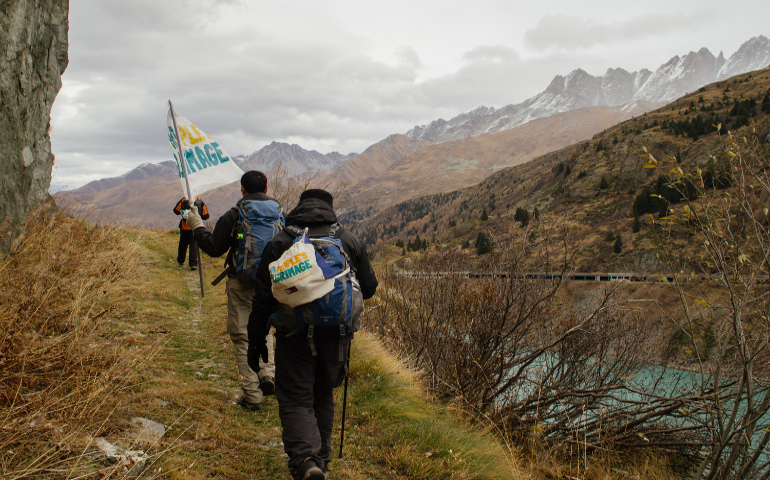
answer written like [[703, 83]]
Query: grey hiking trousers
[[239, 298], [304, 388]]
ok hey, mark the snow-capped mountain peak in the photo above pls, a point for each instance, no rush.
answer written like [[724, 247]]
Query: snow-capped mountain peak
[[578, 89]]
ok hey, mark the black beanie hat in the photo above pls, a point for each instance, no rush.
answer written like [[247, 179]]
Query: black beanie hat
[[319, 194]]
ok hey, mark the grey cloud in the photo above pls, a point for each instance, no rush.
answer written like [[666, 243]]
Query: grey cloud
[[408, 57], [246, 86], [496, 53], [570, 32]]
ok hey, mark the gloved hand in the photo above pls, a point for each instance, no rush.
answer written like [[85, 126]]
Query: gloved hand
[[256, 350], [192, 218]]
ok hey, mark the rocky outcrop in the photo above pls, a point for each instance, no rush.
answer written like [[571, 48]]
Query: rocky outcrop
[[33, 56]]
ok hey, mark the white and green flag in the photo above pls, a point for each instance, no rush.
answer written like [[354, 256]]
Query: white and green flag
[[208, 165]]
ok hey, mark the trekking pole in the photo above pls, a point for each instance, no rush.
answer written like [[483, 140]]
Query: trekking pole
[[199, 204], [345, 402], [200, 265]]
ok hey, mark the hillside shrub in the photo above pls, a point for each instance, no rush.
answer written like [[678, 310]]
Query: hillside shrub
[[496, 329], [724, 322]]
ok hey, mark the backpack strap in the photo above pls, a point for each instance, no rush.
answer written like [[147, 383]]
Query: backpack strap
[[293, 230], [221, 276], [310, 342], [230, 254]]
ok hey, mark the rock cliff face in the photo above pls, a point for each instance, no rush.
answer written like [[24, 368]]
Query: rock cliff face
[[33, 56]]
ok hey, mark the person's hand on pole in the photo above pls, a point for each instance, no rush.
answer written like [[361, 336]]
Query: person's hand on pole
[[192, 218]]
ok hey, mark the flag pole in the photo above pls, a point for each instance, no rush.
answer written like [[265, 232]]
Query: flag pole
[[181, 153], [190, 197]]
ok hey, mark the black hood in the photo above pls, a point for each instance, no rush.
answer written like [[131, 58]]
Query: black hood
[[311, 211]]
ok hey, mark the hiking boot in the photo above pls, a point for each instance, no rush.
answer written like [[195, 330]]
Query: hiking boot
[[248, 405], [193, 267], [267, 385], [308, 471]]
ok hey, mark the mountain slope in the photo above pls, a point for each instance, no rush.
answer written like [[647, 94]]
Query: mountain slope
[[616, 87], [591, 187], [375, 160], [452, 165]]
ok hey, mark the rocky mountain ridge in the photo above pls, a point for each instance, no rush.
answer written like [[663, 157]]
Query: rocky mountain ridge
[[298, 160], [578, 89], [295, 158]]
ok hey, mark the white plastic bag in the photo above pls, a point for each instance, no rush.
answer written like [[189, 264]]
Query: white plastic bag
[[300, 275]]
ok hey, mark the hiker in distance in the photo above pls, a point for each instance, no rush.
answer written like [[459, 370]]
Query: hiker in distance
[[243, 232], [310, 360], [185, 234]]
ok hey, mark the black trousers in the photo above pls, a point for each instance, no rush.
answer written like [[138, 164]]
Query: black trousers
[[304, 388], [185, 240]]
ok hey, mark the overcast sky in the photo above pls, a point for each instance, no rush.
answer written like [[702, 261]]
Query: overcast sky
[[341, 75]]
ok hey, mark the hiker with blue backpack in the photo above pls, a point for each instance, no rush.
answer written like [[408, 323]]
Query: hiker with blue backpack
[[311, 283], [242, 232]]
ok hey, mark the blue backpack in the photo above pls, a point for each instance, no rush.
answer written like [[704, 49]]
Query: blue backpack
[[341, 307], [258, 222]]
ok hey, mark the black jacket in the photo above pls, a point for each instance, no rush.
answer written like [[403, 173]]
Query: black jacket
[[318, 216], [224, 237]]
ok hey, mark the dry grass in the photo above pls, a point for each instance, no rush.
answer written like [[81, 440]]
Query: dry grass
[[98, 324], [60, 371]]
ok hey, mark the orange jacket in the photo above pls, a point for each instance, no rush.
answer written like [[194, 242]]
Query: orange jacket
[[204, 213]]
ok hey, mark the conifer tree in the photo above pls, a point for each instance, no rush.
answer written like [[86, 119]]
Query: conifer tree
[[483, 243], [522, 216], [484, 216], [618, 246]]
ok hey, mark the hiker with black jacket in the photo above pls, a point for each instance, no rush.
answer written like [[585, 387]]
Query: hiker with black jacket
[[259, 381], [186, 235], [307, 371]]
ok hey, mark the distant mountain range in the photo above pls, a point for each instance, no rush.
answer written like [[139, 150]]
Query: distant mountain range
[[298, 160], [451, 165], [406, 166], [578, 89], [295, 158]]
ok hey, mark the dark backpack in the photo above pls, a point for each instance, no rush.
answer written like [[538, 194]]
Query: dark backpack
[[258, 222], [341, 307]]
